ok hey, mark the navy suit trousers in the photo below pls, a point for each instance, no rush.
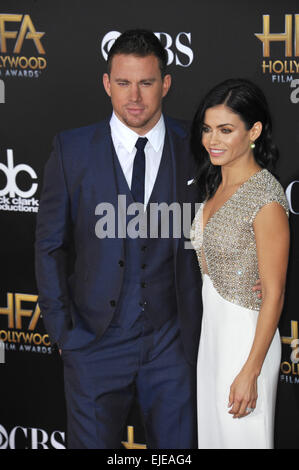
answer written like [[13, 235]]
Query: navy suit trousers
[[101, 381]]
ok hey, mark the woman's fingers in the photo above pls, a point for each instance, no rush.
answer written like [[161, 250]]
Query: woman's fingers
[[242, 408], [242, 399], [253, 403], [235, 407], [230, 399]]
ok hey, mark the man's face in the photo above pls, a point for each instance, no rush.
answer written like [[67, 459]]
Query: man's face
[[136, 89]]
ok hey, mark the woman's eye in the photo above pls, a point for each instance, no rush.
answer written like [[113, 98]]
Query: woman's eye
[[226, 131], [205, 129]]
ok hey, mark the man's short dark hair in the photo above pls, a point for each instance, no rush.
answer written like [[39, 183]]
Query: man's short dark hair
[[139, 42]]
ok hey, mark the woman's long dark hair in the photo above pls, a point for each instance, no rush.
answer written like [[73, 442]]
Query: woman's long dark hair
[[247, 100]]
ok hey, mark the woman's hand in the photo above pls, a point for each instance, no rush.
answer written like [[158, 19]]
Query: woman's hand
[[243, 394]]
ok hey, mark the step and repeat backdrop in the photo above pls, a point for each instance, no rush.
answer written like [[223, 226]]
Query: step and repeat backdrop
[[52, 58]]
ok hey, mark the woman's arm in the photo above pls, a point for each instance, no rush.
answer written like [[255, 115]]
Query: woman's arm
[[271, 230]]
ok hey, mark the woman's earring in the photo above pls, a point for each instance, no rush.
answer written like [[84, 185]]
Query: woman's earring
[[252, 145]]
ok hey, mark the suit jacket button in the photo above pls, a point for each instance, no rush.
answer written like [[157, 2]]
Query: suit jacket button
[[121, 263], [143, 266], [112, 303], [143, 284], [143, 248]]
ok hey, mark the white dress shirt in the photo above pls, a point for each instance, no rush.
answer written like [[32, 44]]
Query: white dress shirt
[[124, 140]]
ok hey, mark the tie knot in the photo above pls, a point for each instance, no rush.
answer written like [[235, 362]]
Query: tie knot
[[141, 143]]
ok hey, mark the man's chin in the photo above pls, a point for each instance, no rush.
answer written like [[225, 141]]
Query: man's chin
[[136, 123]]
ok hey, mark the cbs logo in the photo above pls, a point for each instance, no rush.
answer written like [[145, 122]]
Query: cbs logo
[[36, 438], [182, 54], [11, 173], [289, 190]]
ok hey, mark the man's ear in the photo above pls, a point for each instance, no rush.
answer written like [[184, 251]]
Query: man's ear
[[166, 84], [106, 83]]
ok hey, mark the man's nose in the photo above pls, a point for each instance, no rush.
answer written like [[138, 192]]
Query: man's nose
[[135, 93]]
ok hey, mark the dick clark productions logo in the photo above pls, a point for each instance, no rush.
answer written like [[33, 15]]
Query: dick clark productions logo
[[12, 197]]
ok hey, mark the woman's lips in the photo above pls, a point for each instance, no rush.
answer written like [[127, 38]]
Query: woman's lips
[[216, 152]]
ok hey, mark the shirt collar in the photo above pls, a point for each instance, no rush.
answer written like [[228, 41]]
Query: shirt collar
[[123, 135]]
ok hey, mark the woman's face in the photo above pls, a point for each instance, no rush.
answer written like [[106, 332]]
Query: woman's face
[[225, 136]]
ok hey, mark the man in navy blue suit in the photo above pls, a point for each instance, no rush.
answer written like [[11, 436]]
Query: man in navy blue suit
[[125, 312]]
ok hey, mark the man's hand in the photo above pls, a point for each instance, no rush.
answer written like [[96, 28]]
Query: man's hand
[[258, 288]]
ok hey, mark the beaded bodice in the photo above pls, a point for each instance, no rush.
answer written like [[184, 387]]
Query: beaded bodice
[[226, 248]]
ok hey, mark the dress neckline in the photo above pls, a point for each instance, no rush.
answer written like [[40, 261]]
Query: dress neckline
[[228, 200]]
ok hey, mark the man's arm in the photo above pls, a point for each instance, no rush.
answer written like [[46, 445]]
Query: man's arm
[[258, 288], [52, 247]]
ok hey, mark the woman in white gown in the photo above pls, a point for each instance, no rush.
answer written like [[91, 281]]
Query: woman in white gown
[[240, 233]]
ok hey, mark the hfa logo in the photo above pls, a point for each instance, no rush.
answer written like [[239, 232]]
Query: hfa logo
[[14, 41], [282, 69], [290, 368], [19, 332], [12, 197]]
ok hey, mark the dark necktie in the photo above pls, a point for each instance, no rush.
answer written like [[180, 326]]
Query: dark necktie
[[138, 177]]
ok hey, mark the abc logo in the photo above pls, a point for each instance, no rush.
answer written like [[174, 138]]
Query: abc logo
[[178, 50], [11, 172]]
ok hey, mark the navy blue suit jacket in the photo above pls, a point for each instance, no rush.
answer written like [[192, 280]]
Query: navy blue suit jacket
[[78, 274]]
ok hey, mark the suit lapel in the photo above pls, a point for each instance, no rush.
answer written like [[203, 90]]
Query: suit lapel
[[101, 165], [102, 178]]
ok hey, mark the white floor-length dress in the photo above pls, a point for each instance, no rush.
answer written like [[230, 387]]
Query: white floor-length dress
[[226, 252]]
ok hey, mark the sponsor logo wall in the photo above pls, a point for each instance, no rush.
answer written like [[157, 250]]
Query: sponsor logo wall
[[50, 80]]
